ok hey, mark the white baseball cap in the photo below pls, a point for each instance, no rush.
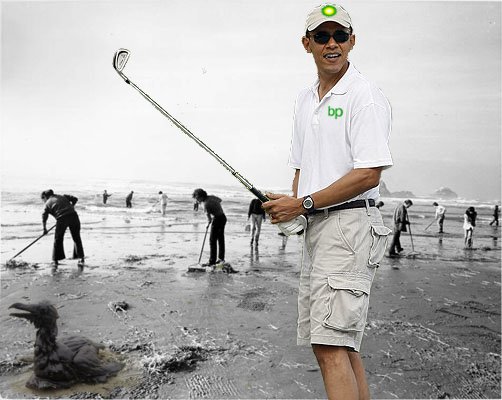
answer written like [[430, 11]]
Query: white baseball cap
[[327, 12]]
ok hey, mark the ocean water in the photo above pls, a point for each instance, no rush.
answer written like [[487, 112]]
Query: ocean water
[[21, 211]]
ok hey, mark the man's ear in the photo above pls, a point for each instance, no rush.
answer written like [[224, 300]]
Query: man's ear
[[352, 41], [306, 44]]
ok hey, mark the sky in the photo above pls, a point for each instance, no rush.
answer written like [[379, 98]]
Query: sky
[[230, 70]]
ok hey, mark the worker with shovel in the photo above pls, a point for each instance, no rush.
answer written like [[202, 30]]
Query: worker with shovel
[[62, 208], [400, 225], [215, 214]]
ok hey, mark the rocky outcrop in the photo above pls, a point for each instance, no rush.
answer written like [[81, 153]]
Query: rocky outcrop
[[385, 192], [403, 194], [445, 193]]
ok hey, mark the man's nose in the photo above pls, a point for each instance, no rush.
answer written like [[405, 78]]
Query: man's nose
[[332, 42]]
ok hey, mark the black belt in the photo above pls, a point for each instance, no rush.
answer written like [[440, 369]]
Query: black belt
[[346, 206]]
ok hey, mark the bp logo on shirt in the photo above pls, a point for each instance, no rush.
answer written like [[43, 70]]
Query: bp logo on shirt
[[335, 112]]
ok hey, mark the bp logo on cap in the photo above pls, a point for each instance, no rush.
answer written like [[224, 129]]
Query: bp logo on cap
[[329, 11]]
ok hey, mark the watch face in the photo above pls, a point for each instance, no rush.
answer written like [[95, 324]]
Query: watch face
[[308, 203]]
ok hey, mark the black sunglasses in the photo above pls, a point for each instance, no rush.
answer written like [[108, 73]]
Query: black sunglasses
[[323, 37]]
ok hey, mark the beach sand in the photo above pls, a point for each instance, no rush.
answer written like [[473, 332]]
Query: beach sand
[[433, 328]]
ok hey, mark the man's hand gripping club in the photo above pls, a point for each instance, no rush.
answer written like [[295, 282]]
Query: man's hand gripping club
[[287, 213]]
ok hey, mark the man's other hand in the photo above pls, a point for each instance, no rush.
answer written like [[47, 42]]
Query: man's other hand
[[294, 227]]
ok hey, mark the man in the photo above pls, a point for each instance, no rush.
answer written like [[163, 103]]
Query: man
[[400, 222], [339, 147], [218, 220], [257, 215], [105, 196], [163, 202], [62, 208], [440, 215], [495, 219], [129, 199]]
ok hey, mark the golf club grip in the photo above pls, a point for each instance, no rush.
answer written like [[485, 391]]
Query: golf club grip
[[264, 199], [259, 194]]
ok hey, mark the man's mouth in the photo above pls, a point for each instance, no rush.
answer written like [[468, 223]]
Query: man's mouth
[[332, 56]]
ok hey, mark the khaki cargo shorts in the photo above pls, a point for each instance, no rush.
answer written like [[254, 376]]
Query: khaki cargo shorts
[[340, 254]]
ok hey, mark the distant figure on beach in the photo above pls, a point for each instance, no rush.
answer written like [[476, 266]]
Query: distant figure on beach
[[440, 215], [400, 225], [380, 204], [339, 146], [215, 215], [495, 219], [163, 202], [62, 208], [257, 215], [105, 196], [469, 224], [129, 199]]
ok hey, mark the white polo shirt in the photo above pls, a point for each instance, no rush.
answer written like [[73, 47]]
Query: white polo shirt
[[348, 129]]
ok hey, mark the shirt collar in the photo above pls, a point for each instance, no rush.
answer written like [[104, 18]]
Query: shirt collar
[[342, 86]]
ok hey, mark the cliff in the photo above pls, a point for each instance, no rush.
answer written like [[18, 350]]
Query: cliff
[[385, 192]]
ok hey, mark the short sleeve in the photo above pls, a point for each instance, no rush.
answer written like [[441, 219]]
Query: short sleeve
[[370, 133]]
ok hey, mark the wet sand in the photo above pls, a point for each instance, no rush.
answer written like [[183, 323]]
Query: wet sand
[[433, 328]]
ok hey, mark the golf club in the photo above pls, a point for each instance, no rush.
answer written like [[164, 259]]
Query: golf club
[[120, 60]]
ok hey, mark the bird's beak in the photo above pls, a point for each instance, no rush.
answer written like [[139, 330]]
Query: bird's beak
[[24, 307]]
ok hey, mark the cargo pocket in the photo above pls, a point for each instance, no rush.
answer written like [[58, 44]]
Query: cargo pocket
[[379, 234], [347, 304]]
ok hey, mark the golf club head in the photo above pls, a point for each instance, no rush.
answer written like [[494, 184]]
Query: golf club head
[[120, 59]]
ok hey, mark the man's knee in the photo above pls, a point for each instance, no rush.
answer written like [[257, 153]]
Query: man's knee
[[333, 355]]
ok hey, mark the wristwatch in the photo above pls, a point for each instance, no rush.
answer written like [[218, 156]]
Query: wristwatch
[[308, 204]]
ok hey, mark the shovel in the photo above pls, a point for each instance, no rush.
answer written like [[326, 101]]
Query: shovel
[[413, 252], [197, 267], [32, 243], [428, 226]]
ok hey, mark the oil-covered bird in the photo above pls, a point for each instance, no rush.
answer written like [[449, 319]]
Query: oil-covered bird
[[60, 363]]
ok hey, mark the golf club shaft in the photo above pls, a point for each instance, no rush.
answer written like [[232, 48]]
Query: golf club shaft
[[185, 130], [32, 243]]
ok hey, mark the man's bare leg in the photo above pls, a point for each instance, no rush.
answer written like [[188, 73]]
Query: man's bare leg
[[358, 368], [337, 371]]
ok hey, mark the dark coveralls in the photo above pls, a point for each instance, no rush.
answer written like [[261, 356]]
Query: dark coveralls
[[128, 200], [495, 219], [61, 208], [258, 214], [213, 208], [105, 197], [400, 222]]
